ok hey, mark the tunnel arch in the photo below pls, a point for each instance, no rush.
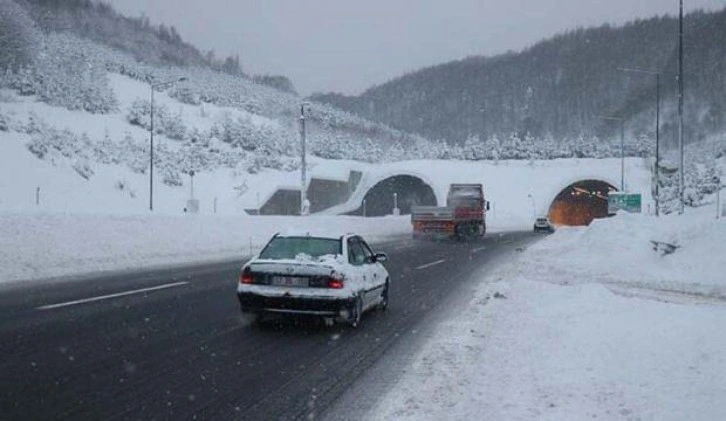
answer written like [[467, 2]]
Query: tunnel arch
[[412, 190], [580, 202]]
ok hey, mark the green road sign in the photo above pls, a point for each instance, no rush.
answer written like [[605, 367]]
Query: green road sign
[[632, 203]]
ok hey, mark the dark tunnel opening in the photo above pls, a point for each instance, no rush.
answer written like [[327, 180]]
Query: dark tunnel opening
[[410, 190], [581, 202]]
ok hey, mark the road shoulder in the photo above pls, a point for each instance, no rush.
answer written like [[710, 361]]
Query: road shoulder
[[381, 380]]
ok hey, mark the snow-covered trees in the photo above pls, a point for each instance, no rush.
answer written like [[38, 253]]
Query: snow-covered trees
[[701, 177], [169, 124], [65, 73], [19, 37], [278, 82], [4, 122]]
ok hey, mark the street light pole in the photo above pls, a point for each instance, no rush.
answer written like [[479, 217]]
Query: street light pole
[[622, 148], [681, 186], [534, 207], [151, 155], [718, 200], [484, 123], [303, 162], [657, 145], [657, 130], [622, 155], [155, 86]]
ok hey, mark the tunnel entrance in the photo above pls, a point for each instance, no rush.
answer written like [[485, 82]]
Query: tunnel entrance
[[410, 190], [580, 203]]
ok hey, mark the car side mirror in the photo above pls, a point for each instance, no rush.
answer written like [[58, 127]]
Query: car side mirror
[[380, 257], [488, 205]]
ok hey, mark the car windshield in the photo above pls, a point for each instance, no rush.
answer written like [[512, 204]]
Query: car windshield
[[466, 192], [290, 247]]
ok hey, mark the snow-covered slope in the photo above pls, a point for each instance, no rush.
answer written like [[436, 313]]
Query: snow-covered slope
[[37, 246], [589, 323], [98, 163]]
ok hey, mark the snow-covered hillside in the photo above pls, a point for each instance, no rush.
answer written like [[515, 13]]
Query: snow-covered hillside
[[83, 111]]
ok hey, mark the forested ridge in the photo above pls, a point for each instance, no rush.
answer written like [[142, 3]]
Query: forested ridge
[[558, 87]]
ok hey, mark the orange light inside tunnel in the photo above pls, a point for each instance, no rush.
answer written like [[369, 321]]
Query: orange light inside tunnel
[[571, 213], [580, 203]]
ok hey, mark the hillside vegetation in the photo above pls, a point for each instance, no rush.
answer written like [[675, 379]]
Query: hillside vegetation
[[75, 80], [558, 87], [63, 53]]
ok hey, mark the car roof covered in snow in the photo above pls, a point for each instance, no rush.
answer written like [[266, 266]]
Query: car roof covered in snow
[[317, 233]]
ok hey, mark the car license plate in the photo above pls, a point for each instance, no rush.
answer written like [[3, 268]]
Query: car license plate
[[289, 281]]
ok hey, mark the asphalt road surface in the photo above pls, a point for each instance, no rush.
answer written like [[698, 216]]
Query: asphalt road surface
[[171, 344]]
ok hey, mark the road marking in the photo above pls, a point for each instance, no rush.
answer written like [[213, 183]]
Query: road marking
[[428, 265], [478, 249], [106, 297]]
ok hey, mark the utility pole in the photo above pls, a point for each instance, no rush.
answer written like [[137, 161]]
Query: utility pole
[[303, 162], [622, 155], [718, 199], [657, 145], [485, 135], [151, 155], [681, 166], [657, 130]]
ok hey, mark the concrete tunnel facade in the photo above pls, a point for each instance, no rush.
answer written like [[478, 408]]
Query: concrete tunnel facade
[[410, 191]]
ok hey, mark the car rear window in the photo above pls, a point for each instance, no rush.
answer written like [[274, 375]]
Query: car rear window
[[290, 247]]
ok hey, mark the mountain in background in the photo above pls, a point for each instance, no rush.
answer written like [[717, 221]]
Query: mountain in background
[[146, 42], [558, 87]]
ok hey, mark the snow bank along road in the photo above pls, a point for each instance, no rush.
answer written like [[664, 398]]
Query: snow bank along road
[[170, 344]]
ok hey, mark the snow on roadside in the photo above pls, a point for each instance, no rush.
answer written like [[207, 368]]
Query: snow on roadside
[[560, 345], [619, 251], [36, 246]]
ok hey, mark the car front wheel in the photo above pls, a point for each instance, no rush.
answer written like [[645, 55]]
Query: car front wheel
[[383, 305]]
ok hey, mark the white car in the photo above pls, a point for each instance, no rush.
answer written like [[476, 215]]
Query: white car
[[543, 223], [337, 278]]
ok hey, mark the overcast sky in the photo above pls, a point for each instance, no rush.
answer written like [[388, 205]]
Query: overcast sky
[[350, 45]]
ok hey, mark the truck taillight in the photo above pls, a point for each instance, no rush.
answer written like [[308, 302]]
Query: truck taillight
[[246, 277]]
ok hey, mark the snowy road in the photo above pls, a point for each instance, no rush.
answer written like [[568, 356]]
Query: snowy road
[[169, 344]]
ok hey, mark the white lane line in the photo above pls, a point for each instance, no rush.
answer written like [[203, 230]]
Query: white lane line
[[106, 297], [478, 249], [428, 265]]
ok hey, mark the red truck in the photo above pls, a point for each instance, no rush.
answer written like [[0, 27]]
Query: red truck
[[463, 216]]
